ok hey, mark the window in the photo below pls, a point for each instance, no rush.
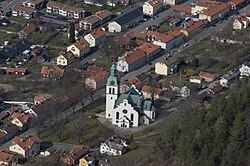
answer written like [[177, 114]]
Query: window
[[109, 115], [111, 98], [117, 115], [132, 117], [113, 91], [125, 111], [109, 90], [125, 104]]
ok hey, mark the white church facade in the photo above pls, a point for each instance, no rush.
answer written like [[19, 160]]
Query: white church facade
[[129, 109]]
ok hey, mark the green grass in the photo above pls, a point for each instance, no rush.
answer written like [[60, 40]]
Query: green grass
[[94, 132]]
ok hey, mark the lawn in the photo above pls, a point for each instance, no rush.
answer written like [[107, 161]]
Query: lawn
[[93, 133]]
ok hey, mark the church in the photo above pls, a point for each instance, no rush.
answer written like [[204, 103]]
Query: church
[[129, 109]]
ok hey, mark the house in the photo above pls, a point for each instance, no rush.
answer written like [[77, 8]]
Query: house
[[191, 26], [208, 77], [42, 110], [241, 22], [10, 130], [26, 146], [27, 13], [90, 22], [115, 145], [180, 91], [132, 40], [236, 4], [138, 81], [151, 50], [53, 72], [201, 5], [196, 79], [8, 158], [73, 156], [131, 61], [244, 70], [24, 33], [226, 79], [88, 161], [39, 99], [172, 2], [129, 109], [35, 4], [79, 48], [151, 92], [125, 21], [104, 15], [97, 80], [214, 12], [64, 58], [186, 10], [21, 120], [65, 10], [43, 58], [95, 37], [166, 40], [215, 89], [152, 7], [167, 66], [17, 71], [90, 70]]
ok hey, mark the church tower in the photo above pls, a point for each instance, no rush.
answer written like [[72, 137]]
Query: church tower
[[112, 92]]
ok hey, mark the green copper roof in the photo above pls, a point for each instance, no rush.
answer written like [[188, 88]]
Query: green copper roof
[[112, 80], [136, 100]]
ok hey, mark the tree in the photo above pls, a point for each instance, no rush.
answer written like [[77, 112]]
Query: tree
[[72, 32], [195, 62]]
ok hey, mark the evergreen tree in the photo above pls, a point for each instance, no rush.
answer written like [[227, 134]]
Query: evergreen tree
[[72, 32]]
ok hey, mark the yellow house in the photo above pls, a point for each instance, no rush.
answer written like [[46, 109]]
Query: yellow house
[[79, 48], [64, 58], [26, 146], [161, 68], [87, 161], [152, 7]]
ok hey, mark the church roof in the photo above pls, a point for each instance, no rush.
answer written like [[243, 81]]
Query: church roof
[[136, 99]]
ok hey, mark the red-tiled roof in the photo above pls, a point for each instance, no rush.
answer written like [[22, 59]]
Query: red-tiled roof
[[215, 9], [151, 90], [6, 156], [132, 57], [26, 142]]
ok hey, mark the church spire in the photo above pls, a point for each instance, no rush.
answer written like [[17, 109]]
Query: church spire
[[113, 69]]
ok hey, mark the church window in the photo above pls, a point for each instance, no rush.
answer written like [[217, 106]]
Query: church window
[[113, 91], [111, 98], [109, 90], [109, 115], [117, 115], [125, 111], [125, 104], [132, 117]]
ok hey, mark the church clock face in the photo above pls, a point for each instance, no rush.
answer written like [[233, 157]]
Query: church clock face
[[125, 111], [112, 82]]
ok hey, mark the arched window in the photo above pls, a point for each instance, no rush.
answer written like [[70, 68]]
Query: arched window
[[132, 117], [109, 90], [117, 115], [113, 91]]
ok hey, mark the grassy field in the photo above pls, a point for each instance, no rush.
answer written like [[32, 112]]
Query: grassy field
[[93, 131]]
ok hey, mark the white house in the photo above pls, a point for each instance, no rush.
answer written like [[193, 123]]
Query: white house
[[150, 8], [196, 79], [114, 146], [166, 40], [244, 70], [240, 22], [129, 109], [95, 37], [131, 61]]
